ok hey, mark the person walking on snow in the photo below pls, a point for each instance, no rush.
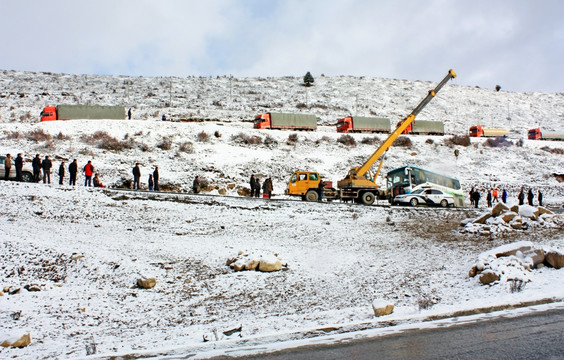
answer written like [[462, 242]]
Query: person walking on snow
[[47, 165], [320, 189], [521, 197], [136, 176], [530, 197], [36, 165], [539, 196], [489, 198], [504, 196], [7, 166], [494, 194], [156, 178], [61, 172], [73, 170], [88, 172], [150, 183], [19, 167]]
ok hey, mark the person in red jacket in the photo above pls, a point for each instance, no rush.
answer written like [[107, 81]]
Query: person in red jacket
[[88, 171]]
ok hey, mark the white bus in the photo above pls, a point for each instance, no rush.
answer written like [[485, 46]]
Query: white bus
[[406, 179]]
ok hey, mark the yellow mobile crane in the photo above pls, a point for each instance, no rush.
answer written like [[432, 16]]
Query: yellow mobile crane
[[358, 185]]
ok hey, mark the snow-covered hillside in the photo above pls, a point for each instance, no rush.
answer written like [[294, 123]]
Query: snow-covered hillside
[[71, 255]]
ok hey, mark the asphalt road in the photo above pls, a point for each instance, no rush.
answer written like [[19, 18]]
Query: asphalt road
[[532, 336]]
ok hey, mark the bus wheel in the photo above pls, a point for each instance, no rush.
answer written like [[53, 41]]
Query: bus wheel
[[367, 198], [414, 202], [444, 203], [311, 195]]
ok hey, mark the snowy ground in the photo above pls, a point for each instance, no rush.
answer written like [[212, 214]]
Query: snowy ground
[[85, 248]]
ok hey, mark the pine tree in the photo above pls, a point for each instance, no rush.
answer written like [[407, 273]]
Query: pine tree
[[308, 79]]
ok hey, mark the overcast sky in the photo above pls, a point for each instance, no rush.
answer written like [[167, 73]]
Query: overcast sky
[[516, 44]]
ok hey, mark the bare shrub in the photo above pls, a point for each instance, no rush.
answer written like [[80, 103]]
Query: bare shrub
[[144, 147], [292, 139], [165, 144], [15, 135], [425, 304], [60, 136], [38, 135], [103, 140], [462, 140], [48, 146], [116, 145], [269, 140], [217, 134], [203, 137], [403, 141], [516, 285], [324, 139], [520, 142], [25, 117], [429, 141], [370, 140], [242, 138], [346, 140], [553, 151], [499, 141], [186, 147]]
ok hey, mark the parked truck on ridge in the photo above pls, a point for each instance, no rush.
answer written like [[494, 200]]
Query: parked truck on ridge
[[480, 131], [425, 127], [537, 134], [283, 121], [73, 112], [362, 124]]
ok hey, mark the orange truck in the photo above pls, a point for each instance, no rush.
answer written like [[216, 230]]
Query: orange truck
[[72, 112], [283, 121], [480, 131], [537, 134], [361, 124]]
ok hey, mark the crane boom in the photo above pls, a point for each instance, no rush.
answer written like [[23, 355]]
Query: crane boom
[[359, 172]]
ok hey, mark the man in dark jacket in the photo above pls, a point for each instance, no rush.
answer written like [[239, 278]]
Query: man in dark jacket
[[136, 176], [19, 166], [46, 165], [539, 196], [61, 172], [252, 185], [73, 169], [521, 197], [36, 165], [320, 189], [476, 197], [530, 197], [156, 178]]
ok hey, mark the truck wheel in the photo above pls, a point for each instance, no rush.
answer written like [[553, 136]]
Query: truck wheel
[[444, 203], [27, 177], [367, 198], [414, 202], [311, 195]]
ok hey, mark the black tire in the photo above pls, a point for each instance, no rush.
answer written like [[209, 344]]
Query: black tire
[[414, 202], [27, 177], [367, 198], [444, 203], [311, 195]]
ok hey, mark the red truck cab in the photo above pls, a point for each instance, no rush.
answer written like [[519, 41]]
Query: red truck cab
[[476, 131], [408, 129], [49, 113], [344, 124], [534, 134], [262, 121]]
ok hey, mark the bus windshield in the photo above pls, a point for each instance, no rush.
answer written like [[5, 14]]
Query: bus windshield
[[403, 180]]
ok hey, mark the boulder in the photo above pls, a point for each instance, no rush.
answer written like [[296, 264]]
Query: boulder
[[554, 259], [482, 219], [543, 210], [499, 208], [252, 264], [508, 216], [474, 271], [269, 264], [515, 208], [488, 277], [382, 307], [17, 342], [537, 256], [508, 251], [146, 283]]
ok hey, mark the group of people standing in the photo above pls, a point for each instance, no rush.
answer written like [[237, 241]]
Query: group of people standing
[[255, 185], [153, 182], [492, 196]]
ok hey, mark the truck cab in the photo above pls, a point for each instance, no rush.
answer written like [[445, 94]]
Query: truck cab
[[476, 131], [344, 124], [49, 113], [262, 121], [534, 134]]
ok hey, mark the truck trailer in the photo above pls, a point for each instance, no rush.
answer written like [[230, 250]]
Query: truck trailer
[[89, 112], [283, 121], [537, 134], [425, 127], [361, 124], [480, 131]]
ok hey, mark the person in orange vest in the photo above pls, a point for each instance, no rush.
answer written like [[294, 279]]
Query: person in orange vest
[[494, 195]]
